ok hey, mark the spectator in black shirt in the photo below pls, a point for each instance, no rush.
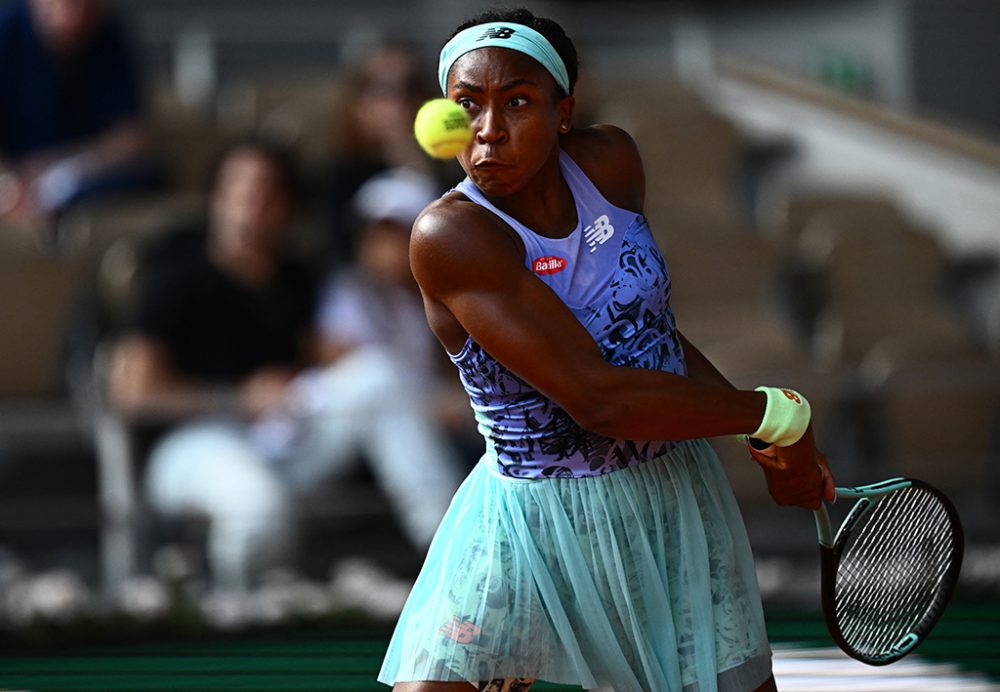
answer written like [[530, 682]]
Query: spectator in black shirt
[[223, 324], [257, 407]]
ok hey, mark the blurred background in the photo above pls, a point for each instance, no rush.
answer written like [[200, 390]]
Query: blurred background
[[823, 178]]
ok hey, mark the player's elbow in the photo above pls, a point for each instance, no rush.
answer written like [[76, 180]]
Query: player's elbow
[[594, 410]]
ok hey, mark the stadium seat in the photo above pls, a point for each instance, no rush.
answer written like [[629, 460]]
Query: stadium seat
[[940, 421]]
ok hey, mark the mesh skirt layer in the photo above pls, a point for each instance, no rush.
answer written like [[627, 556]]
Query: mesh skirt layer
[[640, 579]]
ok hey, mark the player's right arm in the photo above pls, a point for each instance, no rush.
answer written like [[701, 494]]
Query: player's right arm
[[472, 274]]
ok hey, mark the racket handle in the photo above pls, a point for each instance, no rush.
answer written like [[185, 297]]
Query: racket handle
[[824, 530]]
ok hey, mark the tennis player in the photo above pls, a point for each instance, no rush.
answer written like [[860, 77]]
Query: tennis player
[[597, 543]]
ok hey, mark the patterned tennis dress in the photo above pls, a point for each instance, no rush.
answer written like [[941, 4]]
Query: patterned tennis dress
[[573, 557]]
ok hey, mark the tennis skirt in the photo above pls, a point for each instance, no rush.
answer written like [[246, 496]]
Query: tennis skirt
[[640, 579]]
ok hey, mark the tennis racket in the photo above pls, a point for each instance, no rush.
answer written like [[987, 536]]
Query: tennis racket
[[889, 572]]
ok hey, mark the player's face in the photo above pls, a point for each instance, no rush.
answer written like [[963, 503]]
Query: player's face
[[516, 112]]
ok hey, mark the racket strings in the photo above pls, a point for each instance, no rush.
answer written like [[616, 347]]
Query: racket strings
[[891, 569], [903, 583], [904, 580]]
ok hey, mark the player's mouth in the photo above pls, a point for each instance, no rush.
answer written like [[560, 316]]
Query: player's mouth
[[488, 162]]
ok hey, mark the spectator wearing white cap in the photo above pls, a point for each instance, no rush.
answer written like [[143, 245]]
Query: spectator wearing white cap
[[377, 301], [377, 399]]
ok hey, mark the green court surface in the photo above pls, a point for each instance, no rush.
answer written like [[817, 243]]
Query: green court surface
[[343, 657]]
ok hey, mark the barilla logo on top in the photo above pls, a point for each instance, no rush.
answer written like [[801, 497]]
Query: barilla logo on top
[[548, 265]]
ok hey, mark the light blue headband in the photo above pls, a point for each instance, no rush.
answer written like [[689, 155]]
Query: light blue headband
[[503, 35]]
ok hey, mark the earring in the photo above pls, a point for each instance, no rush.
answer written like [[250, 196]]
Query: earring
[[564, 127]]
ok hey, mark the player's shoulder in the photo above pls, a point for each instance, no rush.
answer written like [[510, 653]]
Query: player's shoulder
[[602, 142], [457, 244], [455, 228], [611, 159], [451, 217]]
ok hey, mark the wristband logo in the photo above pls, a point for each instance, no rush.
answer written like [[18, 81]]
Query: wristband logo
[[789, 394]]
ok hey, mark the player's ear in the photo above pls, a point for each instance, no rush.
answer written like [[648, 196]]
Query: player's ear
[[566, 105]]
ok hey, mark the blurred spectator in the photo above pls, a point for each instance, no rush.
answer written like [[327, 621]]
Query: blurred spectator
[[223, 324], [224, 343], [70, 117], [374, 131], [379, 397], [377, 301]]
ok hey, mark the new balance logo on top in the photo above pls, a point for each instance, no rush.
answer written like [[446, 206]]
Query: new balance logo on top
[[598, 232], [499, 32]]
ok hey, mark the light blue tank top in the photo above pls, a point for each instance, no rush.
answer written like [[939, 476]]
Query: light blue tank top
[[611, 275]]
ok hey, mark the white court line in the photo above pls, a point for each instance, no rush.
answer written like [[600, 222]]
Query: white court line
[[831, 670]]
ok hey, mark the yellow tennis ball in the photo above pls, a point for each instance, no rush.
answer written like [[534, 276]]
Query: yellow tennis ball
[[442, 128]]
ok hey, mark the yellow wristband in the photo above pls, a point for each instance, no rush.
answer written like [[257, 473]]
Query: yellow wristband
[[786, 417]]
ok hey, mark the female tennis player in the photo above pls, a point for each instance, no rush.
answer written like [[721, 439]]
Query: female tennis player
[[597, 543]]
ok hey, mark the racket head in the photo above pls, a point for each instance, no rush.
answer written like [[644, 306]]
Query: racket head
[[891, 569]]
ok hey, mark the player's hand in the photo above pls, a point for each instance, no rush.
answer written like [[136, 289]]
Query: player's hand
[[797, 475]]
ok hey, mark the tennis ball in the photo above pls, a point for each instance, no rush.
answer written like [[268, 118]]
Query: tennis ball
[[442, 128]]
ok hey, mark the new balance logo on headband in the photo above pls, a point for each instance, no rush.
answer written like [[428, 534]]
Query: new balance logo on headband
[[497, 32], [512, 36]]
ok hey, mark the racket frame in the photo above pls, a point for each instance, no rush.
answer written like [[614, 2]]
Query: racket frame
[[831, 546]]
